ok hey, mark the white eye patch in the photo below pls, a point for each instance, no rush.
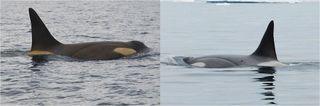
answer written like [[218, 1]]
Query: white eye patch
[[199, 64], [125, 51]]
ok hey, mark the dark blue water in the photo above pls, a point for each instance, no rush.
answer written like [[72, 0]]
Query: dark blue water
[[65, 82], [199, 29]]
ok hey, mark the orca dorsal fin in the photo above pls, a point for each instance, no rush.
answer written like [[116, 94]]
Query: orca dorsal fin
[[41, 37], [266, 47]]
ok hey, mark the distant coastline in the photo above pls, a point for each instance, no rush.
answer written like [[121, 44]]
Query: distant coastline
[[234, 1]]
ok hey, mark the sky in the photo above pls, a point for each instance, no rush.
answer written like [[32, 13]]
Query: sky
[[245, 0]]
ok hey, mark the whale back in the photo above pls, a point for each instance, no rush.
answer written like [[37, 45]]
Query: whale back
[[41, 37], [267, 46]]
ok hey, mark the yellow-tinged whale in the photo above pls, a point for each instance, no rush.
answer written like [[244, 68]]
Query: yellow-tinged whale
[[43, 43]]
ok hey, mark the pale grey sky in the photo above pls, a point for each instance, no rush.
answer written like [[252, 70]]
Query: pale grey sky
[[248, 0]]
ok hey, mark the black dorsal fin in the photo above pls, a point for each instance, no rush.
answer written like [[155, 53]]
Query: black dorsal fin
[[41, 37], [266, 47]]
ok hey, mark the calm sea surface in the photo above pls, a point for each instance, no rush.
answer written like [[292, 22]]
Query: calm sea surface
[[64, 82], [198, 29]]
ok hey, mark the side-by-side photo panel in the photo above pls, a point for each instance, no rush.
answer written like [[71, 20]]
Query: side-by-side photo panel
[[80, 53], [229, 52], [159, 53]]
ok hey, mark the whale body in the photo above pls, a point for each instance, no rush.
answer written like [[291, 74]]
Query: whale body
[[264, 56], [43, 44]]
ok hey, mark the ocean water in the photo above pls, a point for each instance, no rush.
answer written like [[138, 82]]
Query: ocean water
[[67, 82], [199, 29]]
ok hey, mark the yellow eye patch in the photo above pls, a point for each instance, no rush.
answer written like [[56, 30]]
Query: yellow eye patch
[[124, 51], [38, 52]]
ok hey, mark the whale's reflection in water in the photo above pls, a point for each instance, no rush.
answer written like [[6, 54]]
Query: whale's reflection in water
[[267, 83]]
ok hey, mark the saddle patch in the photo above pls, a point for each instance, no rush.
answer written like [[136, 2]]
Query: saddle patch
[[272, 64], [38, 52]]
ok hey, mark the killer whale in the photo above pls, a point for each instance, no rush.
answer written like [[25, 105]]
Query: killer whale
[[44, 44], [264, 56]]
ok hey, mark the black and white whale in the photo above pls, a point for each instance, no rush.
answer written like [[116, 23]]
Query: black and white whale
[[264, 56], [43, 44]]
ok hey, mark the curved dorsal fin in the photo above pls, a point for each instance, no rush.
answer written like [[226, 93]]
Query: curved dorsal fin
[[41, 37], [266, 47]]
